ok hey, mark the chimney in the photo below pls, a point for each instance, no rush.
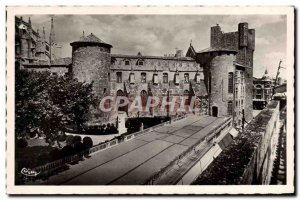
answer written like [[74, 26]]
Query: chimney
[[179, 53]]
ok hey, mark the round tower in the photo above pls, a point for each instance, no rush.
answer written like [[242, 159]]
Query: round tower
[[91, 62], [218, 66]]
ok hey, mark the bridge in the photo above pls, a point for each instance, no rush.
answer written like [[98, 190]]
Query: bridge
[[145, 158]]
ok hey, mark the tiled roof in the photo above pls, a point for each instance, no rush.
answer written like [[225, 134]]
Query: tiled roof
[[57, 62], [151, 57], [90, 39]]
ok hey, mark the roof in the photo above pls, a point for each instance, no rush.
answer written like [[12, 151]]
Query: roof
[[57, 62], [152, 57], [62, 61], [91, 39], [209, 49]]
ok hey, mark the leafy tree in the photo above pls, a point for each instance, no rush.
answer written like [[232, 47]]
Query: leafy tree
[[45, 103]]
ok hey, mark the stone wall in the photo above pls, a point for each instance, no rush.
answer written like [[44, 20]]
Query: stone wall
[[220, 66], [91, 64], [248, 160]]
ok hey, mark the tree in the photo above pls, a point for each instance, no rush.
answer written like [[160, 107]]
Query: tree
[[45, 103]]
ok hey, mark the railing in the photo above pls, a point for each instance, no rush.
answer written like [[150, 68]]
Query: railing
[[99, 147]]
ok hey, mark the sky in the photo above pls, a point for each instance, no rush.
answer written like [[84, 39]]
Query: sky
[[161, 34]]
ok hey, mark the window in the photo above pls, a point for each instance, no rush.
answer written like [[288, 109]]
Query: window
[[236, 91], [119, 77], [242, 77], [230, 82], [198, 78], [144, 97], [140, 62], [165, 78], [258, 96], [242, 103], [186, 78], [188, 100], [236, 76], [176, 78], [229, 108], [108, 76], [131, 78], [127, 62], [143, 77], [155, 79]]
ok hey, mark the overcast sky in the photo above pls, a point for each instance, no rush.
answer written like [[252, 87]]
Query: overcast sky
[[161, 34]]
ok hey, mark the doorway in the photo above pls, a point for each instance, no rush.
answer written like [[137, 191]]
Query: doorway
[[215, 111]]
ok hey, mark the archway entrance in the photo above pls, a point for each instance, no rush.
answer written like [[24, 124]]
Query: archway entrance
[[215, 111], [120, 93]]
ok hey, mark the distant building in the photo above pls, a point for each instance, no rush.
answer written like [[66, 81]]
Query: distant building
[[262, 91], [220, 77], [33, 47]]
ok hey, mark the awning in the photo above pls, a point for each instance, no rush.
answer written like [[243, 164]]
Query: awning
[[233, 132]]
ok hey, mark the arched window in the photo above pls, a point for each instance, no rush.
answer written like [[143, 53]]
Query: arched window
[[122, 108], [144, 97], [186, 93]]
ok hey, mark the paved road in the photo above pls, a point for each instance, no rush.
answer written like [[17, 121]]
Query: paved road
[[133, 162]]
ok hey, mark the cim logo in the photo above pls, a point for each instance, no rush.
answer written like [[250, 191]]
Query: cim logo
[[29, 172]]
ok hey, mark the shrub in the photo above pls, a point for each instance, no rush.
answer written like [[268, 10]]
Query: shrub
[[76, 139], [67, 150], [55, 154], [32, 134], [87, 142], [69, 139], [62, 137], [22, 143], [78, 147]]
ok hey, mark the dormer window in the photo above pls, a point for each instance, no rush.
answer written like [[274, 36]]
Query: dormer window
[[140, 63], [186, 78], [127, 62]]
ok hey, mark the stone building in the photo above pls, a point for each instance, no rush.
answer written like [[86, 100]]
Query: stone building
[[33, 48], [219, 78], [262, 91], [228, 72]]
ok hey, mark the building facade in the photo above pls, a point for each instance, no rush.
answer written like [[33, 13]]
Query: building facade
[[228, 72], [262, 91], [216, 80]]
